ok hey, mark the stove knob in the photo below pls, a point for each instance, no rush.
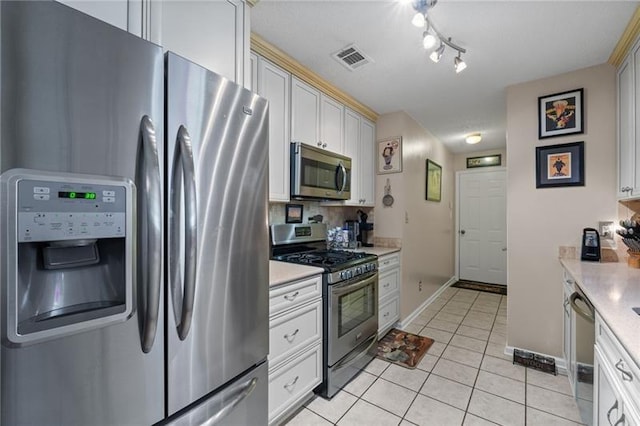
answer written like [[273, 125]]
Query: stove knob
[[349, 274], [367, 267], [343, 275], [358, 270]]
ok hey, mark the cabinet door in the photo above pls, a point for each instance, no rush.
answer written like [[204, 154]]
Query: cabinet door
[[566, 344], [273, 84], [212, 34], [114, 12], [305, 113], [352, 150], [367, 162], [626, 129], [331, 124], [608, 406], [253, 64]]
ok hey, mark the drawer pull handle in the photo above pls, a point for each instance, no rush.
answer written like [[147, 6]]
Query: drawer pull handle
[[292, 297], [620, 422], [613, 407], [290, 338], [289, 386], [386, 315], [386, 285], [626, 376]]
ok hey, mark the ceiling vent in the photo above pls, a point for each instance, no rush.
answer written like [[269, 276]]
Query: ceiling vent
[[351, 57]]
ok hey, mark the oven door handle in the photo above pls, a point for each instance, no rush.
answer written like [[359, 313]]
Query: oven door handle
[[352, 285], [350, 360]]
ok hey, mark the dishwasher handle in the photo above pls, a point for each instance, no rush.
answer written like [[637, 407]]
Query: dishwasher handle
[[587, 314]]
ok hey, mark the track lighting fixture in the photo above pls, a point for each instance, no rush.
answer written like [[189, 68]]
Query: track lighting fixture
[[431, 35]]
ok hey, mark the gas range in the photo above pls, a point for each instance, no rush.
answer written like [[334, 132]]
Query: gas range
[[306, 245]]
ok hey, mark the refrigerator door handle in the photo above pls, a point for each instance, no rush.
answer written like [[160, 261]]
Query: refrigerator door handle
[[152, 225], [244, 391], [183, 167]]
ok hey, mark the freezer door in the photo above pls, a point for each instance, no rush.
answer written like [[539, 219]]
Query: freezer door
[[75, 92], [218, 270]]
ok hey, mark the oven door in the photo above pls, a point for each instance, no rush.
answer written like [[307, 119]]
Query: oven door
[[352, 315]]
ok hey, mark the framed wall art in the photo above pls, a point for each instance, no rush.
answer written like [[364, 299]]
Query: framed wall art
[[560, 165], [486, 161], [561, 114], [433, 181], [293, 213], [390, 155]]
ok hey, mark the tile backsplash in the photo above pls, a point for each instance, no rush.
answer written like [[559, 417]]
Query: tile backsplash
[[333, 216]]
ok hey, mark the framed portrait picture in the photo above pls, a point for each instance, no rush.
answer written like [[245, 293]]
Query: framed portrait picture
[[293, 213], [560, 165], [390, 155], [433, 181], [561, 114]]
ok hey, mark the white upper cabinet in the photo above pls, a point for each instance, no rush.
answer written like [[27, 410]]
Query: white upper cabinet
[[331, 124], [114, 12], [629, 125], [351, 149], [367, 162], [213, 34], [305, 113], [273, 84]]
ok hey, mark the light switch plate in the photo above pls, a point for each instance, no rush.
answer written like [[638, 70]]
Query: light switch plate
[[606, 230]]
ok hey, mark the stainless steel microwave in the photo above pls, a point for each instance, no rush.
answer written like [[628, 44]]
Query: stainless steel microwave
[[318, 173]]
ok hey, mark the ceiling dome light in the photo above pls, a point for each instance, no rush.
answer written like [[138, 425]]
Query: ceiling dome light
[[419, 20], [429, 40], [437, 54], [473, 138], [459, 64]]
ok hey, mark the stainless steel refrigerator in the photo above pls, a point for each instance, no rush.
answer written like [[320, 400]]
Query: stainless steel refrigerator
[[164, 317]]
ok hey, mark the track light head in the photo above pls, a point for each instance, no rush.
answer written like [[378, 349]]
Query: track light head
[[429, 40], [437, 54], [459, 64], [419, 20]]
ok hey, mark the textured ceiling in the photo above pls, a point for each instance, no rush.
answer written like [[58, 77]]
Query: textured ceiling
[[507, 42]]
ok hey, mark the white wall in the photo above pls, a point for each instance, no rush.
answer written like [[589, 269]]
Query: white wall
[[540, 220], [427, 237]]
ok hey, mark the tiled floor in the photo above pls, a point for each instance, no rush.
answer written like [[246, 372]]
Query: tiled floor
[[464, 379]]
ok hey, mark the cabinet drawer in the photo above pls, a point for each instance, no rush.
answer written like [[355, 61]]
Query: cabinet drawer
[[293, 380], [388, 314], [624, 368], [388, 261], [294, 294], [388, 282], [293, 330]]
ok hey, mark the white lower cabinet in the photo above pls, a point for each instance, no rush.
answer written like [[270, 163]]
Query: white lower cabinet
[[616, 381], [389, 282], [295, 345]]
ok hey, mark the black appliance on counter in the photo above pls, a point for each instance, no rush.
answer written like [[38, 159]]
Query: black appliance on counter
[[365, 230], [590, 245], [350, 299]]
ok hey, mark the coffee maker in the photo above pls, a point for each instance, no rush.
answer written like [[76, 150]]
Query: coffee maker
[[365, 236], [353, 230]]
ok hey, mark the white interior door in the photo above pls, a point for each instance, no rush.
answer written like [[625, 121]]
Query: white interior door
[[482, 224]]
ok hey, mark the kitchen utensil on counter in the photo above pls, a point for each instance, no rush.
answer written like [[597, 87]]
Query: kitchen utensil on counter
[[387, 200]]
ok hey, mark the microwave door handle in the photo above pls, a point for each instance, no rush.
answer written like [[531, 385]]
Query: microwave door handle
[[343, 170], [183, 168], [151, 224]]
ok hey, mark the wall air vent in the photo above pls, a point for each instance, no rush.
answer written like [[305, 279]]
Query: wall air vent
[[351, 57]]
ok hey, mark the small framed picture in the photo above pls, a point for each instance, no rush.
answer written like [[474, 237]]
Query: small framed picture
[[433, 181], [390, 155], [293, 213], [560, 165], [486, 161], [560, 114]]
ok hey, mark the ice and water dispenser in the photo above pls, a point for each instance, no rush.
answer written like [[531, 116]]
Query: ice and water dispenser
[[68, 253]]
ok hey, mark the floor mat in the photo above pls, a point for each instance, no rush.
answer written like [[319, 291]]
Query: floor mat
[[402, 348], [489, 288]]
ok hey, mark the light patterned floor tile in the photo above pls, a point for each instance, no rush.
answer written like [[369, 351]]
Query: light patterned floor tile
[[484, 325], [377, 366], [497, 350], [427, 362], [457, 372], [558, 383], [501, 386], [412, 328], [463, 356], [447, 326], [444, 316], [471, 420], [455, 311], [437, 335], [391, 397], [553, 402], [366, 414], [334, 408], [484, 308], [360, 384], [476, 333], [496, 409], [437, 348], [447, 391], [307, 418], [409, 378], [503, 368], [540, 418], [468, 343], [426, 412]]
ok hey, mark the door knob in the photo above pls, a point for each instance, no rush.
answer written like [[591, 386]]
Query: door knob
[[463, 231], [504, 249]]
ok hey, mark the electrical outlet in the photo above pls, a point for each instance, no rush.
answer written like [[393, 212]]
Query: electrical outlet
[[420, 285], [406, 217], [606, 230]]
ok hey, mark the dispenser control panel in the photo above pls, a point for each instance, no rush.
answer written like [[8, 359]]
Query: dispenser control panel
[[51, 210]]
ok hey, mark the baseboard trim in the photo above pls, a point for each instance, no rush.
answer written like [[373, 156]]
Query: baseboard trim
[[561, 365], [406, 321]]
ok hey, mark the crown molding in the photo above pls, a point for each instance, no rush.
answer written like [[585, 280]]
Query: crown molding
[[286, 62], [626, 40]]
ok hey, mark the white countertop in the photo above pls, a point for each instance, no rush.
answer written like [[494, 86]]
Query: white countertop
[[378, 251], [282, 272], [613, 289]]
